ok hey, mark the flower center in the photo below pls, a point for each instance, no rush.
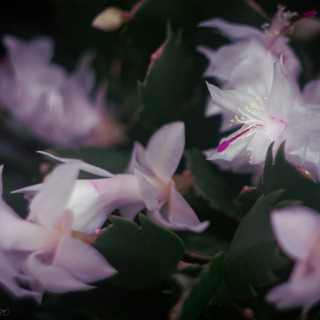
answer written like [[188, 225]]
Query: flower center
[[252, 117]]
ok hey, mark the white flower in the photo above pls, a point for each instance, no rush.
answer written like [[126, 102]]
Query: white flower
[[246, 64], [297, 230], [45, 250], [147, 184], [264, 120], [55, 106]]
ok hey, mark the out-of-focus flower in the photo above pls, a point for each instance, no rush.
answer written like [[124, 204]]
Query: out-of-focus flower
[[234, 66], [279, 117], [112, 18], [49, 102], [297, 231], [147, 184], [44, 249]]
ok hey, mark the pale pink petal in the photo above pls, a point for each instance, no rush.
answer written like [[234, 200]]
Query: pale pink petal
[[38, 51], [296, 229], [51, 201], [93, 200], [303, 292], [165, 148], [148, 191], [283, 94], [230, 99], [233, 31], [138, 160], [84, 72], [52, 278], [7, 275], [84, 166], [131, 210], [158, 218], [177, 211], [82, 261], [311, 92]]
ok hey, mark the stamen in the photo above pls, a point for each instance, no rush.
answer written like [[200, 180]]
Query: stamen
[[225, 144], [307, 14]]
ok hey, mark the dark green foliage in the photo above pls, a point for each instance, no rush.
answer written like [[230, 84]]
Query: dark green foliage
[[196, 291], [253, 254], [144, 256], [281, 174], [165, 87]]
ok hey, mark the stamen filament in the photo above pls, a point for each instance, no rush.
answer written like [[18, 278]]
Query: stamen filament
[[225, 144], [307, 14]]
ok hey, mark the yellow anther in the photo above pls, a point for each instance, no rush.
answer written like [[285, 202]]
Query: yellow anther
[[242, 118], [232, 120], [257, 98], [242, 140]]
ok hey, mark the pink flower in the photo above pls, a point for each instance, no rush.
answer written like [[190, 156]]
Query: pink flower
[[52, 104], [44, 249], [297, 231], [146, 184]]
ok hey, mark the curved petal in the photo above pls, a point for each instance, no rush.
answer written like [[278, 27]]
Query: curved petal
[[311, 92], [148, 191], [164, 150], [232, 31], [158, 218], [179, 213], [84, 166], [52, 278], [84, 72], [230, 99], [37, 52], [304, 292], [283, 95], [296, 229], [130, 211], [138, 160], [82, 260], [51, 201]]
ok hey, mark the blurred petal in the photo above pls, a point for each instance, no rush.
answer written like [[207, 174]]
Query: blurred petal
[[52, 278], [82, 261], [296, 229], [165, 148], [148, 191], [84, 166], [50, 202], [233, 31]]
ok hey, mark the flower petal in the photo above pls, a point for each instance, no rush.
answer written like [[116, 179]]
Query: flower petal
[[164, 150], [53, 278], [131, 210], [296, 229], [84, 166], [178, 212], [139, 160], [51, 201], [82, 261], [148, 191], [158, 218], [311, 92], [283, 94], [232, 31], [230, 99]]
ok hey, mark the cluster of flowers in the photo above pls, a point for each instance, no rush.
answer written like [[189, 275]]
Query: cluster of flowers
[[259, 94], [55, 106], [51, 248]]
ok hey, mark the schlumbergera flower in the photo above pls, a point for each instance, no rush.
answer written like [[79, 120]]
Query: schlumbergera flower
[[50, 103], [297, 231], [281, 116], [147, 184], [45, 250], [246, 64]]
